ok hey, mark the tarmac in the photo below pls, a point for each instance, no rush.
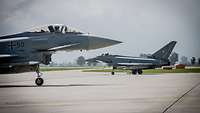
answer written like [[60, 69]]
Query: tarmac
[[91, 92]]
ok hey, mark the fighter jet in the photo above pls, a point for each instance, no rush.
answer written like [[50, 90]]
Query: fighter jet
[[23, 52], [137, 64]]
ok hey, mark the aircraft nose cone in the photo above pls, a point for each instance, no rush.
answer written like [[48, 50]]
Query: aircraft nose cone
[[98, 42], [91, 60]]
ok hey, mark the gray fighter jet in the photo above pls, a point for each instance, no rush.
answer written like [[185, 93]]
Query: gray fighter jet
[[136, 64], [23, 52]]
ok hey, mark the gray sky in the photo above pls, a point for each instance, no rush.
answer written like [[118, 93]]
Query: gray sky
[[143, 25]]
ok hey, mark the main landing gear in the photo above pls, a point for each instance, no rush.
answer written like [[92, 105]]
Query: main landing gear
[[135, 71], [39, 81]]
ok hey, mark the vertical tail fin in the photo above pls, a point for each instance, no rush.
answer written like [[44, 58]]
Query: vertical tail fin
[[164, 52]]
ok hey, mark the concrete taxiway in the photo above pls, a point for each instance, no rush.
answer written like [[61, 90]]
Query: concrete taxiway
[[83, 92]]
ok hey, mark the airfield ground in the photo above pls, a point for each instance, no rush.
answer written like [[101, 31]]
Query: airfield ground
[[73, 91], [149, 71], [109, 69]]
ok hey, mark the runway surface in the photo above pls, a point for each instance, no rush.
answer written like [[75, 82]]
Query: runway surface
[[83, 92]]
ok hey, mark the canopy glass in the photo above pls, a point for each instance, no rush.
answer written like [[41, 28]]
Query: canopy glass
[[57, 28]]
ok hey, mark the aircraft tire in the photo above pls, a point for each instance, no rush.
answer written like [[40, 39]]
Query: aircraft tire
[[140, 71], [113, 73], [134, 72], [39, 81]]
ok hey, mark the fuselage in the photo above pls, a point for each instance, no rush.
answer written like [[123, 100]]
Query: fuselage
[[36, 46], [129, 62], [32, 46], [137, 64]]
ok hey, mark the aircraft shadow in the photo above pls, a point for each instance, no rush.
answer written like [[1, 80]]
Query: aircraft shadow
[[69, 85]]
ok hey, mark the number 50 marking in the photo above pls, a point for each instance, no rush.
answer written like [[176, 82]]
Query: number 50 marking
[[19, 44]]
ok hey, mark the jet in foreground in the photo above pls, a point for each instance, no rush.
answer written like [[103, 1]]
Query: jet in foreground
[[136, 64], [23, 52]]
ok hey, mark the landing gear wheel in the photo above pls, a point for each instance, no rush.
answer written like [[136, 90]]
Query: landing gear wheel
[[134, 72], [113, 73], [140, 72], [39, 81]]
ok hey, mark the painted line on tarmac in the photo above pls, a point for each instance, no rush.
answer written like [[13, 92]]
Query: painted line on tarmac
[[172, 104]]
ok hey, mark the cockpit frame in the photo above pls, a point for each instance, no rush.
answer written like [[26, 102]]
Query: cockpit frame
[[55, 28]]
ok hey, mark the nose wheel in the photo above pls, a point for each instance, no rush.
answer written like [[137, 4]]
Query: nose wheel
[[112, 73], [39, 81]]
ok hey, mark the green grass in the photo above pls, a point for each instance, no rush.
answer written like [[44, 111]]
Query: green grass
[[151, 71], [191, 70], [100, 69], [62, 68]]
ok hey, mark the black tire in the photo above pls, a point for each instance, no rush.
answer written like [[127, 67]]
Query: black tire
[[39, 81], [134, 72], [113, 73], [140, 71]]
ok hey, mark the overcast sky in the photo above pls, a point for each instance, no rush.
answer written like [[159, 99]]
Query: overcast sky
[[143, 25]]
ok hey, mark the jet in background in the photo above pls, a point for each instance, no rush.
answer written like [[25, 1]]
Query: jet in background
[[23, 52], [137, 64]]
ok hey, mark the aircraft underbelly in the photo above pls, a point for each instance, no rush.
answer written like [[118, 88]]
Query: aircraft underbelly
[[18, 69], [134, 67]]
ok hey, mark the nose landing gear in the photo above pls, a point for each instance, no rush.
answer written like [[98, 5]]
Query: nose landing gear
[[112, 73], [39, 81]]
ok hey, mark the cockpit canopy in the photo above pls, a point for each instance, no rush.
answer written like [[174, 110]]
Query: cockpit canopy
[[56, 28]]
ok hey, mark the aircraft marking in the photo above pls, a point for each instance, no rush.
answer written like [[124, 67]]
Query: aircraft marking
[[11, 45]]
